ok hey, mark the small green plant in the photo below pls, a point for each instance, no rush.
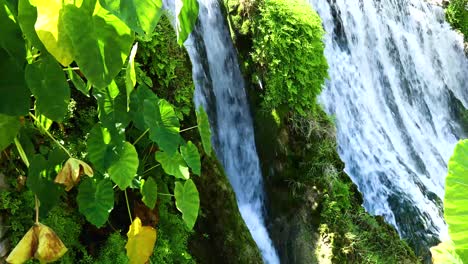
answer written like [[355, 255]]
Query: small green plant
[[457, 16], [289, 51]]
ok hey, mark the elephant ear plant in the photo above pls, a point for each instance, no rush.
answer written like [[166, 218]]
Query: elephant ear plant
[[49, 47], [455, 209]]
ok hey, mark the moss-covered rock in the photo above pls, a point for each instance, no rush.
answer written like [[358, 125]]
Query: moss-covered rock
[[221, 235], [315, 212]]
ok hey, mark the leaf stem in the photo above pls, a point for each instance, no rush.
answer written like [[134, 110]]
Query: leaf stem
[[166, 194], [187, 129], [140, 137], [71, 68], [155, 166], [36, 201], [50, 135], [128, 206]]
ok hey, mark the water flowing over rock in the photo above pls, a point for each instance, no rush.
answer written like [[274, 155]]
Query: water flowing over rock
[[220, 89], [396, 71]]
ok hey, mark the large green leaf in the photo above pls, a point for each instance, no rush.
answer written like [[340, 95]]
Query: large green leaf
[[191, 156], [47, 82], [101, 42], [130, 75], [187, 18], [140, 15], [27, 16], [124, 165], [456, 199], [444, 253], [78, 82], [187, 201], [40, 179], [9, 128], [112, 105], [101, 144], [15, 95], [95, 200], [163, 124], [50, 29], [149, 191], [138, 96], [204, 130], [11, 38], [173, 164]]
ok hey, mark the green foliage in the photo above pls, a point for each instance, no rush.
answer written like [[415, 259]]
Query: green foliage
[[173, 234], [456, 199], [173, 164], [140, 17], [149, 191], [95, 200], [288, 49], [11, 127], [204, 130], [187, 201], [186, 23], [113, 252], [457, 16], [192, 157]]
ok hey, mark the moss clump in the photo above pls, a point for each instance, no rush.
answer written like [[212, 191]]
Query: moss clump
[[288, 50], [457, 16]]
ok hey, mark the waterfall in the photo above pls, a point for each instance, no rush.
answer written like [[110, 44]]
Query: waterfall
[[220, 89], [396, 71]]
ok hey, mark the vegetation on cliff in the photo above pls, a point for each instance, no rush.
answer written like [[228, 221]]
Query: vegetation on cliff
[[457, 16]]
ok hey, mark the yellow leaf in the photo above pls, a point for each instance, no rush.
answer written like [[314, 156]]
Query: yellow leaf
[[40, 242], [71, 172], [51, 31], [141, 240]]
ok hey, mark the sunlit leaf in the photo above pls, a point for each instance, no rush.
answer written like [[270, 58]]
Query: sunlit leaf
[[124, 165], [149, 191], [130, 76], [187, 201], [41, 243], [71, 173], [50, 29], [204, 130], [42, 122], [95, 200], [444, 253], [141, 241], [456, 199], [163, 124], [47, 82], [9, 128], [191, 156], [173, 164], [101, 145], [187, 18], [96, 49]]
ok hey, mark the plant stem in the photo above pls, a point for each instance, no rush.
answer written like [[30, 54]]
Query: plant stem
[[128, 206], [187, 129], [166, 194], [140, 137], [155, 166], [71, 68], [50, 135], [37, 208]]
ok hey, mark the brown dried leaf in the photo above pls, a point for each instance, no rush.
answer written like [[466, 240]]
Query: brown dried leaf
[[40, 242], [71, 173]]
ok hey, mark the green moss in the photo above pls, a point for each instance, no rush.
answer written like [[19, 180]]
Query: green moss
[[288, 49], [113, 250], [457, 16]]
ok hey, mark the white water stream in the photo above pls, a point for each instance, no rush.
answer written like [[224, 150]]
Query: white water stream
[[220, 89], [395, 68]]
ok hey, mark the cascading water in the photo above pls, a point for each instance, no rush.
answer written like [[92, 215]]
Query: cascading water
[[395, 69], [220, 89]]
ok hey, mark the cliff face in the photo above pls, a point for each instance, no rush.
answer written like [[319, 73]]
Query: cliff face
[[314, 209]]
